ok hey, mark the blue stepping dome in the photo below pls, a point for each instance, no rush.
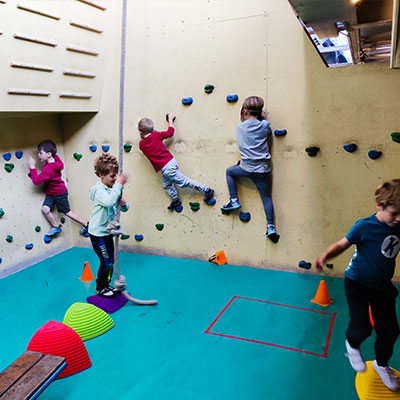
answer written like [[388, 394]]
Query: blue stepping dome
[[19, 154], [7, 156], [93, 148], [139, 238], [374, 154], [350, 148], [187, 101], [304, 264], [245, 216], [105, 147], [280, 132], [232, 98]]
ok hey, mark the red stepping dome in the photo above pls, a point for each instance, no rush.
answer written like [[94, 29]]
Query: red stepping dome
[[58, 339]]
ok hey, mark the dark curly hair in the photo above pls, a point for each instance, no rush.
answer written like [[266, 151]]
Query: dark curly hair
[[104, 164]]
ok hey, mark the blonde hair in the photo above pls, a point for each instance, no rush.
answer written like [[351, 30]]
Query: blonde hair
[[104, 164], [146, 125], [388, 194], [254, 106]]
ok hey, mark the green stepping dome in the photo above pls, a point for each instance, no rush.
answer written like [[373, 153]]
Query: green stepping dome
[[87, 320]]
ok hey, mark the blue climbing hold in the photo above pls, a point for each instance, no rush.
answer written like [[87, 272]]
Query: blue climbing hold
[[93, 148], [232, 98], [1, 260], [304, 264], [245, 216], [105, 147], [46, 239], [29, 246], [139, 238], [280, 132], [19, 154], [179, 209], [374, 154], [187, 101], [350, 148], [211, 202], [7, 156]]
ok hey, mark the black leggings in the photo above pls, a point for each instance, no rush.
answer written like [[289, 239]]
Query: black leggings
[[383, 308], [104, 248]]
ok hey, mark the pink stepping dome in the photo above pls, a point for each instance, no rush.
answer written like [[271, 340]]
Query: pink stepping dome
[[58, 339]]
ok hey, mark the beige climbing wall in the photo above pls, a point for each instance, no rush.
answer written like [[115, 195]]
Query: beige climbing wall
[[256, 47]]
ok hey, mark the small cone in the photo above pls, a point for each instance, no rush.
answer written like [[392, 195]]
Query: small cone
[[87, 275], [322, 296], [370, 317], [219, 258]]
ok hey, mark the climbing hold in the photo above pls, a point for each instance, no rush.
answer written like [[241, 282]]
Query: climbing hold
[[127, 147], [330, 266], [7, 156], [194, 206], [29, 246], [139, 238], [160, 227], [304, 264], [211, 202], [105, 147], [19, 154], [46, 239], [312, 151], [29, 174], [77, 156], [1, 260], [62, 220], [9, 238], [37, 228], [245, 216], [280, 132], [350, 148], [374, 154], [93, 148], [225, 212], [179, 209], [1, 212], [232, 98], [395, 137], [166, 117], [209, 88], [8, 167], [187, 101], [124, 237]]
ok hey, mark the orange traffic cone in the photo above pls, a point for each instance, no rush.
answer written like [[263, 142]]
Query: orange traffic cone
[[322, 296], [87, 275], [370, 317], [218, 258]]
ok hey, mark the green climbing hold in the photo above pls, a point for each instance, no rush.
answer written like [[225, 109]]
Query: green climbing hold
[[8, 167], [127, 147], [1, 212], [395, 137], [77, 156], [209, 88], [62, 220], [37, 228], [124, 237], [312, 151], [225, 212], [160, 227], [330, 266], [9, 238], [194, 206]]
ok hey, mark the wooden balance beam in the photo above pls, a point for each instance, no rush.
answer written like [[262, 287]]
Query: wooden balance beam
[[29, 375]]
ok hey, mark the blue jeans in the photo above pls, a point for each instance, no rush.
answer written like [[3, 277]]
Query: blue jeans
[[262, 182]]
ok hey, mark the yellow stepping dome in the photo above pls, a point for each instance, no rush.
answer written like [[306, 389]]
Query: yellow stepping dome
[[369, 385], [87, 320]]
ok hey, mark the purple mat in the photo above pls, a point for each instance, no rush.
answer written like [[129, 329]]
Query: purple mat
[[109, 305]]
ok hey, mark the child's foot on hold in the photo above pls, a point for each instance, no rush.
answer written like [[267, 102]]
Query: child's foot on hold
[[53, 231], [232, 205], [84, 231], [105, 292], [208, 195], [272, 234], [175, 203], [387, 375], [355, 358]]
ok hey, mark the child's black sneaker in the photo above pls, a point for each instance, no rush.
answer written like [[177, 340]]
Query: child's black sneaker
[[175, 203], [105, 292], [209, 194]]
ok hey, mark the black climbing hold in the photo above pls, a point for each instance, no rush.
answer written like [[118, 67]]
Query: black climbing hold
[[166, 117], [7, 156], [9, 238], [209, 88], [8, 167], [37, 228], [160, 227], [280, 132], [124, 237], [62, 220], [187, 101], [374, 154], [350, 148], [105, 148], [139, 238], [232, 98], [312, 151], [1, 212], [19, 154], [127, 147], [194, 206], [29, 246], [77, 156], [304, 264], [395, 137], [330, 266], [93, 148], [244, 216]]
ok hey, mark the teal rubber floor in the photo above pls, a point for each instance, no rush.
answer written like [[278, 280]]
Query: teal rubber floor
[[218, 332]]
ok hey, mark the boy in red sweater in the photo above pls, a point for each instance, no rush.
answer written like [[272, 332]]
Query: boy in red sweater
[[154, 149], [56, 191]]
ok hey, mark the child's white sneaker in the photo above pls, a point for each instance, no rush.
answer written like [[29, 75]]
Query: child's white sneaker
[[387, 375], [355, 358]]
